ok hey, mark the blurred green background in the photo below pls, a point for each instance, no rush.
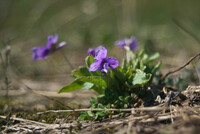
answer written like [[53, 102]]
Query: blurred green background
[[171, 27]]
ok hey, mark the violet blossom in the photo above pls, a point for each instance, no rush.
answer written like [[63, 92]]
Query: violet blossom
[[102, 63], [128, 42], [92, 51], [43, 52]]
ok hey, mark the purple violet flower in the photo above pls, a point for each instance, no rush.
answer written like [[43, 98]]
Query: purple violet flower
[[127, 42], [92, 51], [43, 52], [102, 63]]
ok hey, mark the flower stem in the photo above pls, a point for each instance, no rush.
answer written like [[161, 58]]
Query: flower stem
[[67, 60]]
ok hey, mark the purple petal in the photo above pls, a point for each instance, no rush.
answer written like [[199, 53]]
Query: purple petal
[[113, 62], [105, 68], [61, 44], [52, 39], [40, 53], [121, 43], [133, 44], [97, 65], [91, 51], [99, 47], [101, 53]]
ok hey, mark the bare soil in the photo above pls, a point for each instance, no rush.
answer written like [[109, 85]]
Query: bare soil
[[178, 113]]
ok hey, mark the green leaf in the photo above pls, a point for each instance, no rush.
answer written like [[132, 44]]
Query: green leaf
[[119, 74], [141, 53], [100, 106], [140, 78], [125, 106], [100, 82], [76, 85], [90, 113], [119, 80], [96, 80], [145, 57], [121, 98], [96, 73], [136, 64], [89, 60], [100, 96], [93, 101], [127, 98], [153, 57], [156, 68], [82, 71], [99, 114], [142, 66], [83, 116]]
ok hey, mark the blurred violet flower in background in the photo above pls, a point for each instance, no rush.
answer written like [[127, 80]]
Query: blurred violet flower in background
[[43, 52], [102, 63], [128, 42]]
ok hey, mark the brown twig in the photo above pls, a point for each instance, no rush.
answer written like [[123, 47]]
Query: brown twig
[[23, 120], [132, 110], [142, 119], [179, 68]]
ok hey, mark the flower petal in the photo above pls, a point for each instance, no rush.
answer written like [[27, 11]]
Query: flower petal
[[133, 44], [97, 65], [40, 53], [101, 53], [121, 43], [52, 39], [113, 62], [91, 51], [105, 68], [61, 44]]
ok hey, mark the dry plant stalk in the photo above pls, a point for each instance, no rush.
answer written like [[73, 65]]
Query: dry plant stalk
[[132, 110], [179, 68]]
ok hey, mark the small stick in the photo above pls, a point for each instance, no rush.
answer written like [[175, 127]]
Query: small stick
[[179, 68], [66, 58], [172, 119], [23, 120], [161, 118], [116, 110]]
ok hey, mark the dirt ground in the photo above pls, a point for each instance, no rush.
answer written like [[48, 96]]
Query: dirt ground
[[180, 117]]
